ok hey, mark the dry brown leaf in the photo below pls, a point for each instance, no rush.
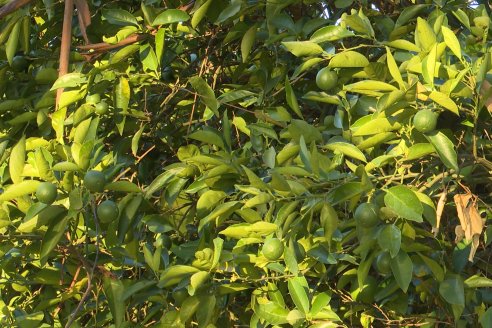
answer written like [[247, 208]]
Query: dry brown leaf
[[439, 210], [471, 224]]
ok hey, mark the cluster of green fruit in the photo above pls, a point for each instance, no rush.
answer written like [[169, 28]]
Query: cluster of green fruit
[[367, 216], [101, 106], [94, 181]]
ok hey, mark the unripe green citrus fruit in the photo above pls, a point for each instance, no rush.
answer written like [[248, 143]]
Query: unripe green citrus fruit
[[102, 108], [383, 263], [107, 211], [273, 249], [93, 99], [94, 181], [366, 215], [19, 63], [425, 120], [326, 79], [46, 192]]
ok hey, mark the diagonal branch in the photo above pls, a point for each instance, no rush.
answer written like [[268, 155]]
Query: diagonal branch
[[13, 6]]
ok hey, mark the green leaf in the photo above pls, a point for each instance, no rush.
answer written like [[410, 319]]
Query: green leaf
[[347, 149], [148, 58], [255, 230], [197, 280], [348, 59], [443, 100], [69, 80], [17, 160], [486, 318], [319, 302], [425, 37], [232, 9], [451, 41], [404, 202], [19, 189], [402, 268], [291, 98], [345, 192], [298, 290], [114, 291], [478, 282], [302, 48], [377, 125], [369, 85], [13, 41], [453, 290], [445, 148], [171, 16], [208, 136], [330, 33], [119, 17], [174, 274], [160, 41], [247, 42], [200, 14], [389, 239], [419, 150], [122, 186], [124, 53], [122, 95], [272, 313], [206, 93], [434, 266], [393, 68], [51, 238], [329, 221]]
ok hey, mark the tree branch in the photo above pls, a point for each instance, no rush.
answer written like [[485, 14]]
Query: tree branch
[[13, 6], [66, 42]]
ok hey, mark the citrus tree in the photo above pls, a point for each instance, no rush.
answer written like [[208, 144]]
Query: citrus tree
[[223, 163]]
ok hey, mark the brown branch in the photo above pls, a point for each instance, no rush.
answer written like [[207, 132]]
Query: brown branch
[[66, 42], [13, 6], [84, 15], [104, 47]]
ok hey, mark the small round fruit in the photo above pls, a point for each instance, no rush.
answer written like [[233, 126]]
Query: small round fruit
[[19, 63], [326, 79], [366, 215], [93, 98], [179, 296], [46, 192], [273, 249], [383, 263], [107, 211], [425, 121], [95, 181], [102, 108]]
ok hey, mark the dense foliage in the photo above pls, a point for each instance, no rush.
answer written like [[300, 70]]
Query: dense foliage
[[225, 163]]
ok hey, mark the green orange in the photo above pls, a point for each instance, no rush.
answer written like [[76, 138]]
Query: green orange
[[383, 263], [273, 249], [107, 211], [101, 108], [46, 192], [94, 181], [326, 79], [425, 120], [366, 215]]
